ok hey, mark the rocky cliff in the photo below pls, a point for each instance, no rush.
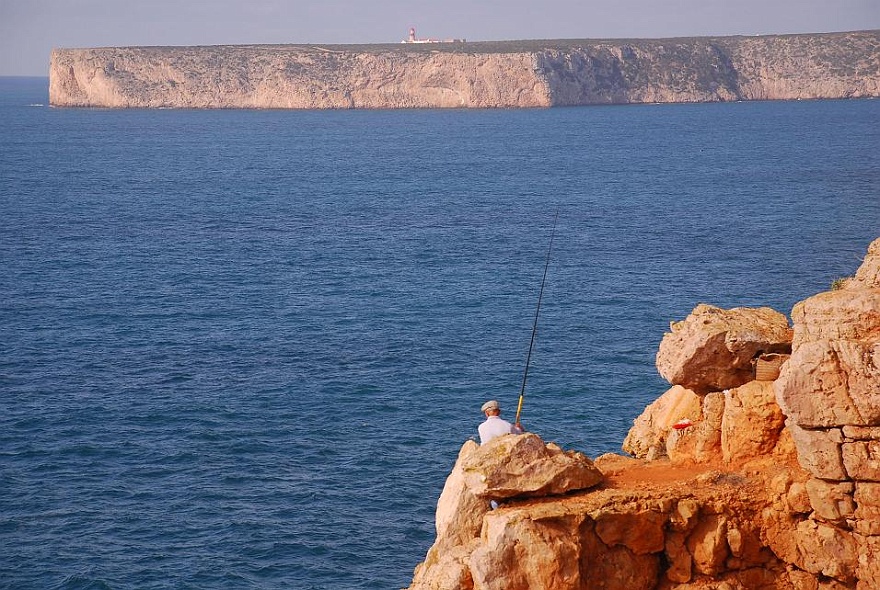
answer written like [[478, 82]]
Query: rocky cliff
[[759, 469], [480, 75]]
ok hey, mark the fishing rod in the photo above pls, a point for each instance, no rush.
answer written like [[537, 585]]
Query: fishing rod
[[522, 391]]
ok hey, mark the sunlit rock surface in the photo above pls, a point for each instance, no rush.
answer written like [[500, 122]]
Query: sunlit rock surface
[[773, 484], [509, 74]]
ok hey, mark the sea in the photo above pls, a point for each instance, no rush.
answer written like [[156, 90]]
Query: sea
[[242, 348]]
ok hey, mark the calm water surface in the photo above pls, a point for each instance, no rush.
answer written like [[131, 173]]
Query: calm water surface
[[241, 349]]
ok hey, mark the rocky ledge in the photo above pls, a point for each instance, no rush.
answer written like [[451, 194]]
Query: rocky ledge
[[759, 469], [471, 75]]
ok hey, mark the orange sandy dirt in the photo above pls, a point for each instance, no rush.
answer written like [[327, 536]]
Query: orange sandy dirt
[[624, 472]]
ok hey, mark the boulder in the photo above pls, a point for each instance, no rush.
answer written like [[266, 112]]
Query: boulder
[[845, 314], [701, 441], [814, 388], [832, 375], [647, 438], [681, 564], [830, 392], [521, 553], [559, 552], [819, 451], [713, 348], [831, 500], [445, 569], [751, 422], [459, 514], [521, 466], [861, 459], [826, 550], [614, 567], [708, 545]]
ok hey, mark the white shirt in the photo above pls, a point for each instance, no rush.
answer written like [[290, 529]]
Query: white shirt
[[493, 427]]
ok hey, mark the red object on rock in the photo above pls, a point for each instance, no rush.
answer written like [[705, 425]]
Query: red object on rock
[[682, 424]]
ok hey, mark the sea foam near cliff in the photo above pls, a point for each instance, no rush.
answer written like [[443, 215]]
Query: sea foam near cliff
[[241, 348]]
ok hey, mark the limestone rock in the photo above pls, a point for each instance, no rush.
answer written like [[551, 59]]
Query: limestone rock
[[819, 451], [827, 550], [713, 348], [684, 515], [459, 519], [708, 545], [801, 580], [616, 567], [829, 384], [647, 437], [681, 564], [845, 314], [513, 74], [798, 499], [640, 532], [701, 442], [861, 459], [751, 421], [831, 378], [445, 569], [868, 274], [831, 501], [830, 387], [861, 433], [459, 514], [833, 375], [743, 502], [867, 512], [523, 550], [868, 571], [517, 466], [520, 553]]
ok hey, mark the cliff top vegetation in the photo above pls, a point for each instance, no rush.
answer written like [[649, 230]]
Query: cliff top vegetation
[[523, 45]]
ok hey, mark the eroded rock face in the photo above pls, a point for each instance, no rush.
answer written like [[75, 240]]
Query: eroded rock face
[[831, 379], [624, 539], [512, 466], [751, 422], [829, 388], [647, 438], [459, 519], [713, 349], [460, 513], [830, 393], [478, 75], [292, 77]]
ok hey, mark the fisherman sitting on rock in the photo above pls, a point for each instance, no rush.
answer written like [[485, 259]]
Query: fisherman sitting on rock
[[495, 425]]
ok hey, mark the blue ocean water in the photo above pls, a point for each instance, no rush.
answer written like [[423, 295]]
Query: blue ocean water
[[241, 349]]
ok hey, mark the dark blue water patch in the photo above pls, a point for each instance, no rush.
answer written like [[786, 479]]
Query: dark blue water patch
[[243, 348]]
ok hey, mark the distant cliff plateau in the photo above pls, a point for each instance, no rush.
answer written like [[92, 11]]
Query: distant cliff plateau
[[511, 74]]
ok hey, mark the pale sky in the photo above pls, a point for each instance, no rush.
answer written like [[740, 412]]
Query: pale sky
[[29, 29]]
